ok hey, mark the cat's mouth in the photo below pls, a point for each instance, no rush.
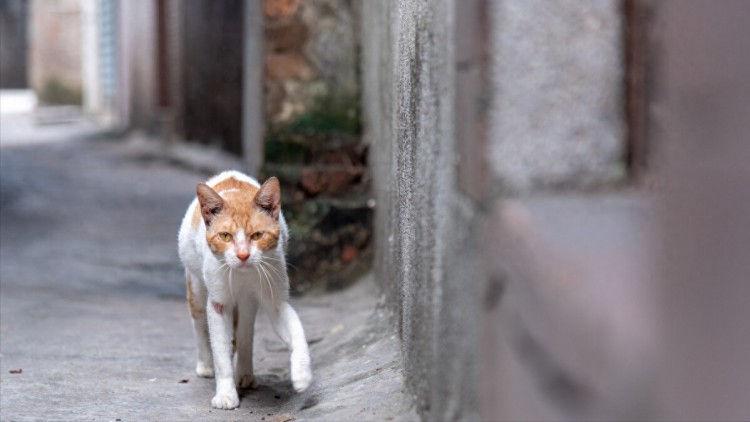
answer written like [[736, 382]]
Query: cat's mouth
[[244, 265]]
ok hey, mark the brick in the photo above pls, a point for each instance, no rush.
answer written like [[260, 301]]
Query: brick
[[275, 9], [288, 66]]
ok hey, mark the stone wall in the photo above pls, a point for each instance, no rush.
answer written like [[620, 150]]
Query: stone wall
[[425, 228], [310, 55], [313, 140], [448, 131]]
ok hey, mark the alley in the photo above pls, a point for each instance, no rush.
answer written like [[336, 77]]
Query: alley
[[92, 307]]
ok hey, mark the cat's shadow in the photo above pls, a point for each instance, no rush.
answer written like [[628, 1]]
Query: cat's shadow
[[270, 389], [277, 391]]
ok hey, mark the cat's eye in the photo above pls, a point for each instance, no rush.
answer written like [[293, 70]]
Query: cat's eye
[[225, 236], [256, 235]]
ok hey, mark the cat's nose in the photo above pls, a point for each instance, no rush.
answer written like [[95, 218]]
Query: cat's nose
[[243, 255]]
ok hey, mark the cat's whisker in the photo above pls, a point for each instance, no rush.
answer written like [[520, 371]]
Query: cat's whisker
[[231, 288], [271, 267], [268, 279], [226, 268], [281, 261], [275, 271], [260, 281]]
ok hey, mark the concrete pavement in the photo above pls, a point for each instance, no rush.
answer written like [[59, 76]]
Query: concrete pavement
[[92, 302]]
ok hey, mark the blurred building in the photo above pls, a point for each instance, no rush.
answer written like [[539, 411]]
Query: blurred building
[[13, 44]]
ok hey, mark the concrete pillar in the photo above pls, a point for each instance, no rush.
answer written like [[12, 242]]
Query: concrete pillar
[[253, 122]]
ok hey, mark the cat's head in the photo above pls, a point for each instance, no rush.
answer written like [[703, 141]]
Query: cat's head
[[242, 224]]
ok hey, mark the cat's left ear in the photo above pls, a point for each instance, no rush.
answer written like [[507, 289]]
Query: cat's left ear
[[268, 197]]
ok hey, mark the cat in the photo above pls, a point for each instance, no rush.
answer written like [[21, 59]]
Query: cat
[[232, 242]]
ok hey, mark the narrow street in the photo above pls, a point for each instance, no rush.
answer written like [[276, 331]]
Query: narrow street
[[92, 305]]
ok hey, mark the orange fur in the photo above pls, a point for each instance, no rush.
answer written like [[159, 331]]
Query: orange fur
[[232, 183], [195, 312]]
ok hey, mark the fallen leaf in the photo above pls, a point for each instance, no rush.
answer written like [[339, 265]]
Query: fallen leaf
[[184, 381], [286, 417], [16, 371]]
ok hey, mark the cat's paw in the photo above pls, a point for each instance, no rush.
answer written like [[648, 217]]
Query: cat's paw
[[246, 381], [204, 370], [228, 400], [301, 372]]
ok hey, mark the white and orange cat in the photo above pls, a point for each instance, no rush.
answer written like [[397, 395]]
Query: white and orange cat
[[232, 243]]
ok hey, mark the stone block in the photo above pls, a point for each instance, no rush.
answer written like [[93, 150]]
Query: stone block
[[281, 66], [557, 78]]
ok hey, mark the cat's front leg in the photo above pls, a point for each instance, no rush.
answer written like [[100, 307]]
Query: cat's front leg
[[220, 327], [287, 325], [244, 338], [196, 296]]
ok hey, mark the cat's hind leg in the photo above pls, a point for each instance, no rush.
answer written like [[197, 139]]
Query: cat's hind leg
[[243, 335], [287, 325], [196, 298]]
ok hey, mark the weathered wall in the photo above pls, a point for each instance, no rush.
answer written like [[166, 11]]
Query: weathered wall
[[424, 227], [212, 72], [55, 51], [310, 55], [313, 141], [558, 115], [448, 128]]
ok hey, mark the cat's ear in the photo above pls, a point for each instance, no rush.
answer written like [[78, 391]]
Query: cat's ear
[[210, 201], [268, 197]]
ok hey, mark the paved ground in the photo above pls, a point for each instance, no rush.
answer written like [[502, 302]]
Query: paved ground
[[92, 308]]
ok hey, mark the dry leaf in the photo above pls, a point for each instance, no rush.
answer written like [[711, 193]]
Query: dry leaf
[[286, 417]]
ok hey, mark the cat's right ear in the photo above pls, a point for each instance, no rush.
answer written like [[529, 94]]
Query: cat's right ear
[[210, 201]]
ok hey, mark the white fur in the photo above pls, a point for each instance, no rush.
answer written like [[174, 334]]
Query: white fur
[[262, 282]]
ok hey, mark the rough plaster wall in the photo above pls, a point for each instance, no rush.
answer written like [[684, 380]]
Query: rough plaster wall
[[558, 117], [556, 121], [377, 105], [423, 227]]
